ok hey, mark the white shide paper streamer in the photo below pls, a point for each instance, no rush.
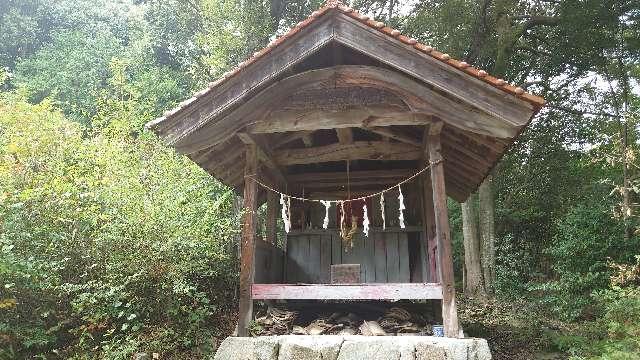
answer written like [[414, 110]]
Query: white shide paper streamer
[[401, 215]]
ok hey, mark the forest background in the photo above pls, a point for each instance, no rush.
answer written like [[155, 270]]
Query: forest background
[[110, 243]]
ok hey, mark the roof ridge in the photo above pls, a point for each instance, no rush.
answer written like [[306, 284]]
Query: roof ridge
[[463, 66]]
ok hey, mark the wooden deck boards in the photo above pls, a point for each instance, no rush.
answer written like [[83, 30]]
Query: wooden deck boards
[[409, 291]]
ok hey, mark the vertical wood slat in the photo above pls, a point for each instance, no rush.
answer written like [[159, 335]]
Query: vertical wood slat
[[303, 259], [289, 275], [336, 249], [445, 257], [369, 259], [403, 258], [247, 247], [380, 258], [313, 260], [393, 262], [325, 259]]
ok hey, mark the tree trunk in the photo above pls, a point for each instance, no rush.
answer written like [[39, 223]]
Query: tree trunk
[[473, 268], [488, 234]]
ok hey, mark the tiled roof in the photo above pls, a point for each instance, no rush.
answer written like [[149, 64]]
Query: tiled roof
[[501, 84]]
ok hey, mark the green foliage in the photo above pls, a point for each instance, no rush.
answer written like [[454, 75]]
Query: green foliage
[[71, 70], [614, 335], [588, 238], [104, 237]]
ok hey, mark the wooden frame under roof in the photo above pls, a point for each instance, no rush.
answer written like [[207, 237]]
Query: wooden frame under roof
[[341, 88]]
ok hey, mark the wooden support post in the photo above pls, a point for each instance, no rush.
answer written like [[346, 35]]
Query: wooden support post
[[272, 214], [445, 256], [430, 244], [247, 252]]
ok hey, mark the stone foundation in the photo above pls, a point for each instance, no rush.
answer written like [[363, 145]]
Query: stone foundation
[[334, 347]]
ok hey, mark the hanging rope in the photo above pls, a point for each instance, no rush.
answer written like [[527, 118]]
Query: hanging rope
[[346, 200]]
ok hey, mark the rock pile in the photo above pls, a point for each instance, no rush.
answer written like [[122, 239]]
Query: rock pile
[[394, 321]]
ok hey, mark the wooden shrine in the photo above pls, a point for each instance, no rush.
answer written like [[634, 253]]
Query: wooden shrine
[[339, 107]]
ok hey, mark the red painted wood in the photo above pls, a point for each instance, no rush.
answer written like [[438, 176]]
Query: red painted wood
[[409, 291]]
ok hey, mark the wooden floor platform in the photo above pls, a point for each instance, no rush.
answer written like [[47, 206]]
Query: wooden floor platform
[[369, 291]]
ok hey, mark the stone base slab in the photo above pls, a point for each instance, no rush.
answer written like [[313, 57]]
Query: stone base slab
[[334, 347]]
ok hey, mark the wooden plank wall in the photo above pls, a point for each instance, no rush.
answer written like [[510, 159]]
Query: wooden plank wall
[[383, 256], [269, 261]]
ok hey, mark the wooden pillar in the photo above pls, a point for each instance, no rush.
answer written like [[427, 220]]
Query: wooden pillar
[[430, 240], [273, 204], [445, 255], [247, 250]]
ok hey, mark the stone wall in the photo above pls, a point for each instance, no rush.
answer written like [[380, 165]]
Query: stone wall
[[330, 347]]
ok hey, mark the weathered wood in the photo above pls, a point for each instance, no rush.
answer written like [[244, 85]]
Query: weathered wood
[[289, 137], [404, 275], [248, 246], [339, 98], [409, 291], [273, 208], [329, 185], [345, 135], [353, 175], [445, 255], [430, 241], [264, 154], [345, 274], [393, 134], [369, 259], [380, 258], [406, 58], [244, 84], [307, 140], [359, 150], [313, 119], [393, 261], [313, 261], [336, 249], [325, 258]]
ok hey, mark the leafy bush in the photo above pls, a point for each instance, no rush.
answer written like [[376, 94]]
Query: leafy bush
[[587, 238], [616, 334], [108, 243]]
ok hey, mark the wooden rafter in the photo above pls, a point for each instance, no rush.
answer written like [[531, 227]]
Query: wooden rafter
[[345, 135], [359, 150], [289, 137], [394, 134], [342, 175], [264, 154], [315, 119]]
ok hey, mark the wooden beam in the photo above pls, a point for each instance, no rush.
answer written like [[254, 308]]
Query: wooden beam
[[289, 137], [307, 140], [243, 85], [406, 58], [264, 154], [247, 248], [352, 183], [354, 175], [441, 216], [359, 150], [345, 136], [405, 291], [430, 239], [422, 99], [394, 134], [316, 119]]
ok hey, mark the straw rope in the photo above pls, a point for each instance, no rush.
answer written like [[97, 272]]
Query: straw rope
[[252, 177]]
